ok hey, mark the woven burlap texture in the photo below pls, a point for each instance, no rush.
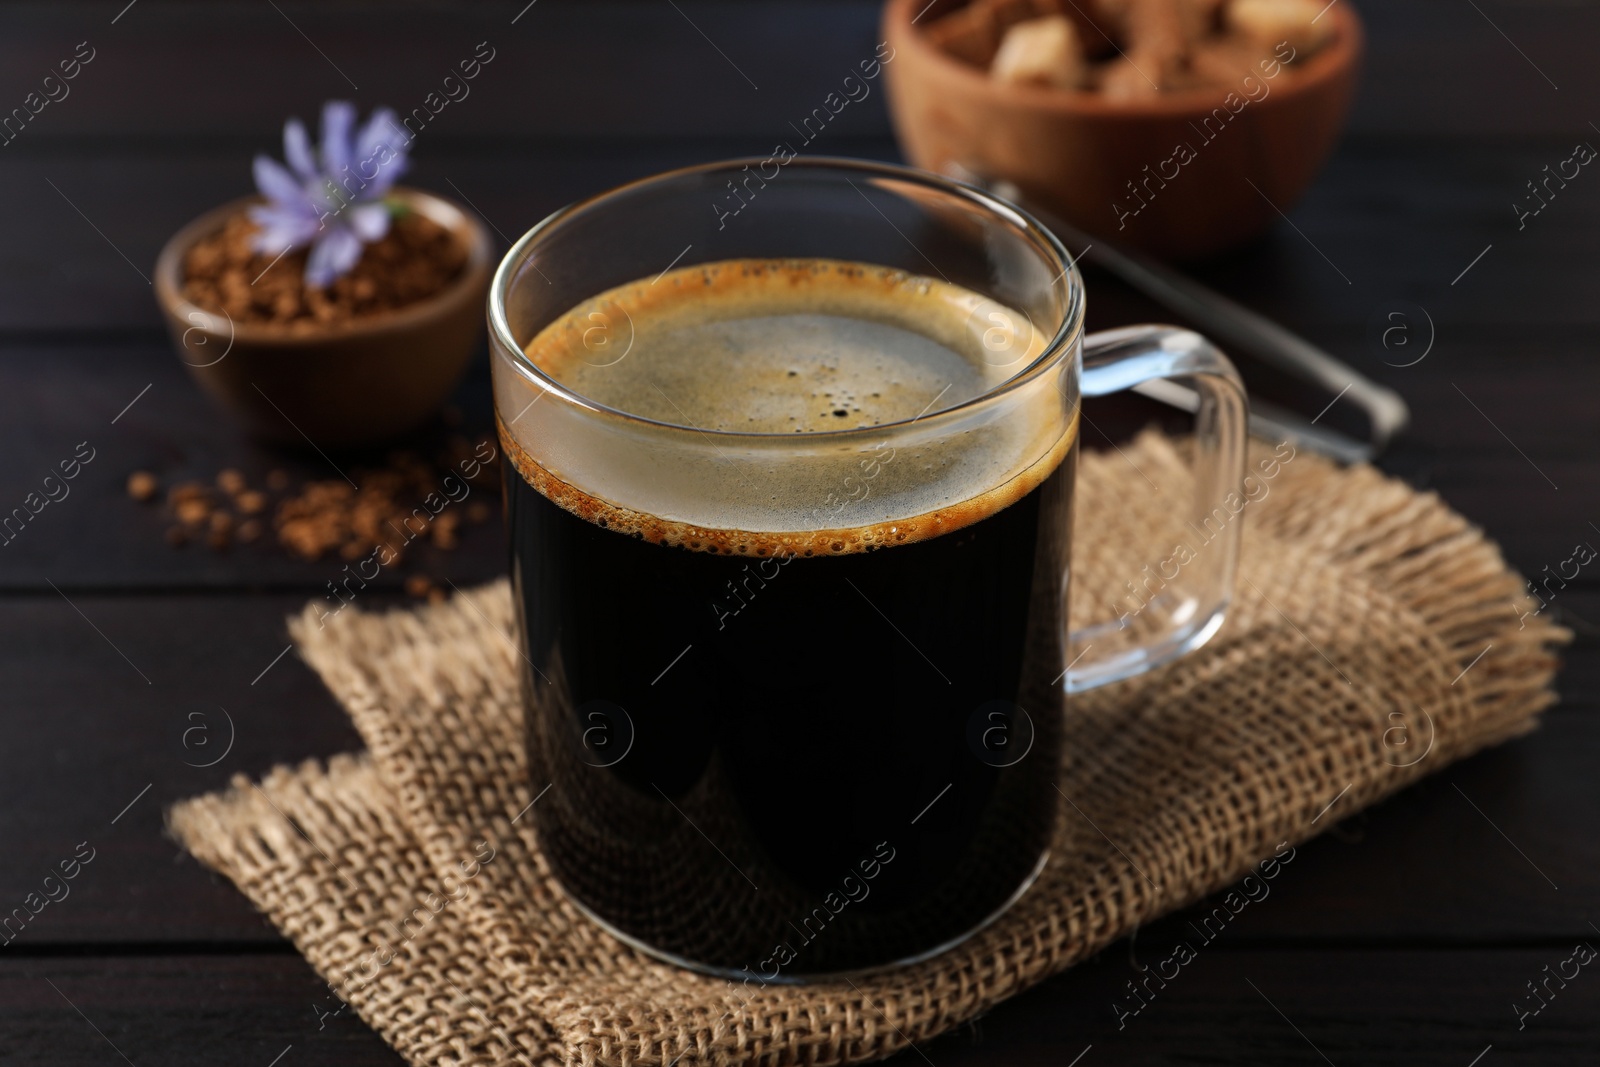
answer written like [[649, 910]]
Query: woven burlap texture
[[409, 880]]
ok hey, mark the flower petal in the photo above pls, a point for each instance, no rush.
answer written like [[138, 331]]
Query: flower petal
[[382, 128], [334, 253], [369, 221], [297, 150], [281, 230], [380, 152], [277, 184], [328, 200], [338, 118]]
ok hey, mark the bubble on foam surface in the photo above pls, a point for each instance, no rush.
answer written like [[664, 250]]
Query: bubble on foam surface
[[781, 373]]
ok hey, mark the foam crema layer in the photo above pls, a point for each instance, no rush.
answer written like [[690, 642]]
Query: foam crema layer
[[747, 369]]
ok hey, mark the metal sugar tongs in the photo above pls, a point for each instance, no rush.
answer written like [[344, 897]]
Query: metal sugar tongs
[[1236, 329]]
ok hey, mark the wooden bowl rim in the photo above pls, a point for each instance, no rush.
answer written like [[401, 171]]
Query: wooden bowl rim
[[1328, 64], [475, 276]]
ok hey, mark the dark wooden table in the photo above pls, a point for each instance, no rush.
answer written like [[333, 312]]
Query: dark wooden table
[[1402, 936]]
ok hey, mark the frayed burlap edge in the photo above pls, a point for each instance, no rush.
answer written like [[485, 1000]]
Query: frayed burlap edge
[[1360, 601]]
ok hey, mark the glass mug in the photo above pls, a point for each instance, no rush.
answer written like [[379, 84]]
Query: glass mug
[[794, 701]]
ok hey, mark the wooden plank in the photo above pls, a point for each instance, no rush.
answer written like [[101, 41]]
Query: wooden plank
[[1415, 1008], [108, 751], [1344, 947], [638, 68], [1284, 1007], [1516, 500], [1387, 220], [1390, 220], [1420, 76], [179, 1010], [1579, 609], [95, 276], [1434, 862], [53, 400], [587, 70], [1424, 867]]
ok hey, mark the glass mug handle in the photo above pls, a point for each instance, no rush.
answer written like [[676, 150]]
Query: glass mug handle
[[1180, 616]]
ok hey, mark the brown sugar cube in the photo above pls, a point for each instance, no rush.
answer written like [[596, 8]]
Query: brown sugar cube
[[1098, 25], [1157, 41], [1155, 54], [418, 585], [970, 34], [1229, 59], [191, 511], [142, 486], [1040, 52], [1125, 78], [231, 482], [1007, 13], [1272, 23], [1199, 19], [251, 502], [249, 531], [221, 522], [1110, 15]]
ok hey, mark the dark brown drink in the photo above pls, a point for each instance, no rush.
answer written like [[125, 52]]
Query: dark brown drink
[[824, 735]]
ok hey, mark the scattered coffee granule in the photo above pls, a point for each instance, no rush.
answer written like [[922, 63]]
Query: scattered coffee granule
[[192, 512], [142, 486], [221, 535], [409, 499], [416, 259], [187, 491]]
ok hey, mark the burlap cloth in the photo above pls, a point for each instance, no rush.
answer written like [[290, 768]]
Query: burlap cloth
[[407, 879]]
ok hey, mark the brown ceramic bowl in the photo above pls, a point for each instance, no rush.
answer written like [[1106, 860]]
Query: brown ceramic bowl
[[1077, 152], [353, 384]]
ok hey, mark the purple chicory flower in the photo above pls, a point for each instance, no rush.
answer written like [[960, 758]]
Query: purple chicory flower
[[330, 200]]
